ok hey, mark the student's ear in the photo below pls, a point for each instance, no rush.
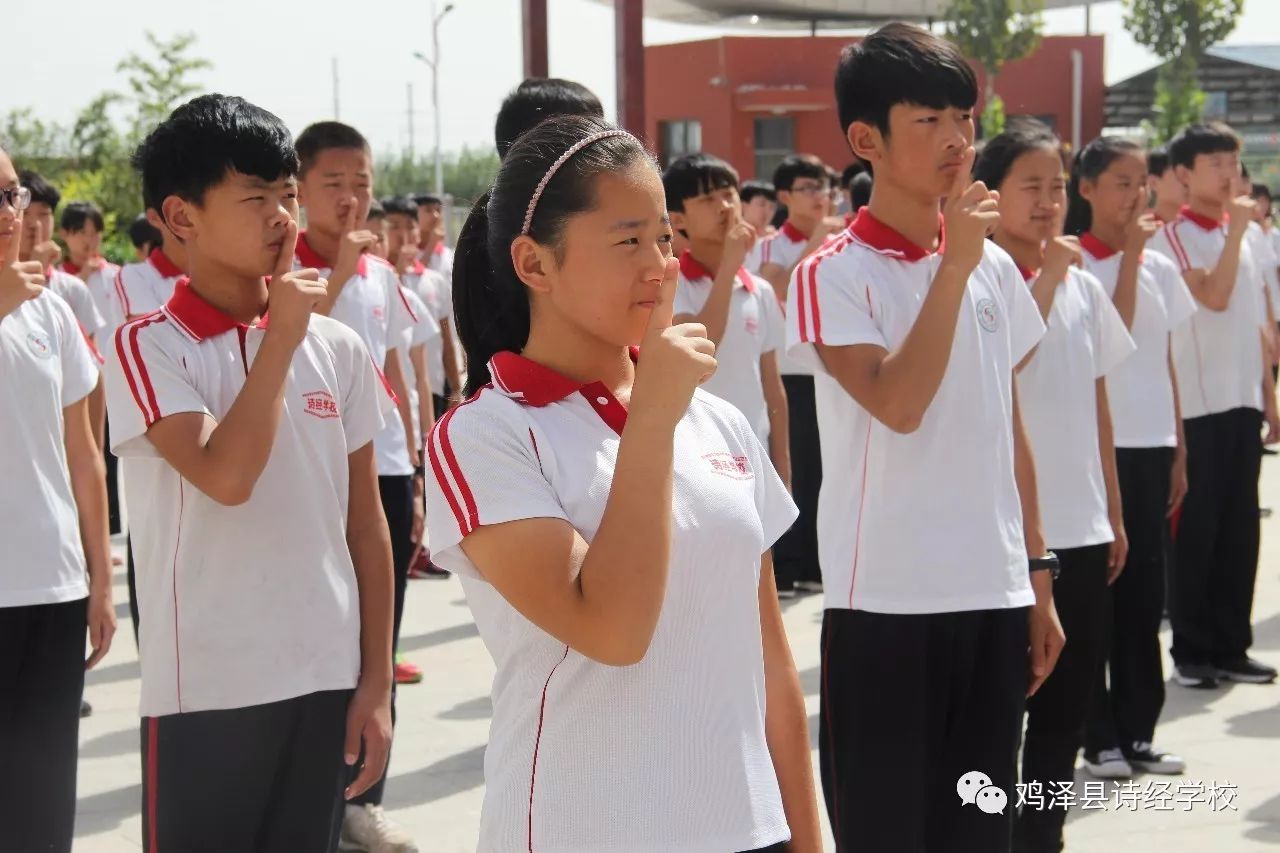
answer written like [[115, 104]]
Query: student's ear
[[866, 142], [1183, 174], [177, 216], [533, 263], [1087, 189]]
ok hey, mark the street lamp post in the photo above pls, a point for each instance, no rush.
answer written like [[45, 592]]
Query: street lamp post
[[433, 62]]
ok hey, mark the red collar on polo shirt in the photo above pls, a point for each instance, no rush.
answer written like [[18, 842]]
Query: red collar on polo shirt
[[197, 317], [536, 385], [792, 233], [164, 266], [68, 266], [439, 249], [311, 258], [418, 267], [1099, 249], [692, 269], [1027, 274], [1205, 222], [888, 241]]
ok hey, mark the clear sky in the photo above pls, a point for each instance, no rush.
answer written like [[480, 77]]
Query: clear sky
[[279, 54]]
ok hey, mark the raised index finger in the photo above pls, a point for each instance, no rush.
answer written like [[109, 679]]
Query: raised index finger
[[284, 261], [964, 176], [660, 316], [15, 242]]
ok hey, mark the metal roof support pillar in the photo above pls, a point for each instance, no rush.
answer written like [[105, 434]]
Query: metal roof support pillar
[[629, 59], [535, 38]]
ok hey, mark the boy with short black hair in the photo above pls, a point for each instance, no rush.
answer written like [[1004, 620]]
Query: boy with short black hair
[[38, 245], [80, 226], [738, 309], [435, 291], [376, 223], [144, 236], [432, 251], [1167, 192], [335, 183], [802, 186], [1226, 392], [145, 286], [930, 595], [539, 98]]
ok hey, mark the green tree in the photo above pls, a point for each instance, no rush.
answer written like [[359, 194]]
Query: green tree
[[158, 85], [993, 33], [1179, 32], [467, 174]]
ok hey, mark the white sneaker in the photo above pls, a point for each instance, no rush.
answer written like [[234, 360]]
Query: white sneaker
[[809, 586], [368, 828], [1108, 764]]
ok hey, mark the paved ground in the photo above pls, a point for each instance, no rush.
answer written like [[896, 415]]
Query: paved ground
[[1230, 738]]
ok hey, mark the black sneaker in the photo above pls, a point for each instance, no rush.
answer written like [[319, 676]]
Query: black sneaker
[[787, 592], [1196, 676], [85, 709], [1246, 670], [1144, 756]]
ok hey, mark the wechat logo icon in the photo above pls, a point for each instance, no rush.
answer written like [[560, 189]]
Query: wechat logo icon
[[975, 789]]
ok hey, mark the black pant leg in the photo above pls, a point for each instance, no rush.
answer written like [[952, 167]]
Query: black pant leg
[[133, 587], [1056, 714], [208, 777], [113, 490], [988, 697], [875, 742], [1199, 526], [1136, 662], [1238, 539], [795, 555], [306, 803], [41, 682], [397, 503]]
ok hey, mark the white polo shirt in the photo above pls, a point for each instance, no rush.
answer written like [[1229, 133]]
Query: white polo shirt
[[436, 292], [76, 294], [102, 287], [1264, 256], [256, 603], [1057, 392], [147, 285], [785, 248], [1216, 354], [668, 754], [1140, 389], [422, 334], [754, 327], [372, 304], [45, 366], [928, 522], [439, 259]]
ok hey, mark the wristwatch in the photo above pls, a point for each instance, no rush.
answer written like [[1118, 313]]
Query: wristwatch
[[1047, 563]]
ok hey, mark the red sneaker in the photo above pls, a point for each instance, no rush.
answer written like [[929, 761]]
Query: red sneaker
[[406, 672]]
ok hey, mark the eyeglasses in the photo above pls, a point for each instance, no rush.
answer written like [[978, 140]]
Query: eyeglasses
[[19, 198], [808, 189]]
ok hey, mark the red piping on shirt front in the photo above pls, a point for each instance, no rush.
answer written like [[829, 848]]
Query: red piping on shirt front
[[537, 741], [862, 507], [152, 414]]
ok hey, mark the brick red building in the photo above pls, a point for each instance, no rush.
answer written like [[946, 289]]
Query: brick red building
[[752, 100]]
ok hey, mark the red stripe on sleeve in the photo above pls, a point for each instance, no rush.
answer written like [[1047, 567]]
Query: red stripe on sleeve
[[473, 513], [142, 366], [149, 416], [442, 480]]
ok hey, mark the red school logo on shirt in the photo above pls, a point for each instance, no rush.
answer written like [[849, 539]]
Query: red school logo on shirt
[[735, 467], [39, 343], [320, 404]]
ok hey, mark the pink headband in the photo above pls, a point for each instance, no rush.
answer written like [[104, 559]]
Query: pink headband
[[555, 167]]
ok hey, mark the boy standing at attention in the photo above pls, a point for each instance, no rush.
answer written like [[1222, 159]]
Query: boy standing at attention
[[914, 322], [249, 447]]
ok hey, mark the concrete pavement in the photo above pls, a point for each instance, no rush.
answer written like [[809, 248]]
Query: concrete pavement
[[1228, 801]]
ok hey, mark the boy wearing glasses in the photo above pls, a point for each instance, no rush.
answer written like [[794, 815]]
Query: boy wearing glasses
[[802, 186], [53, 522]]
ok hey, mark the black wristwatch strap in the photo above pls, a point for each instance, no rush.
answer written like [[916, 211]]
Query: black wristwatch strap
[[1047, 563]]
